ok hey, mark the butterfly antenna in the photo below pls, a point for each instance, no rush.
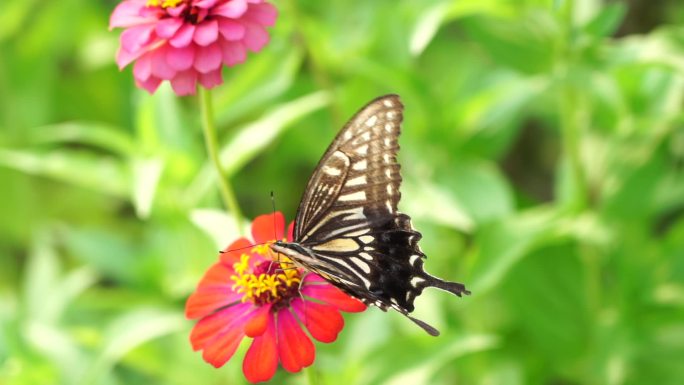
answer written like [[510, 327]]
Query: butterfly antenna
[[275, 233]]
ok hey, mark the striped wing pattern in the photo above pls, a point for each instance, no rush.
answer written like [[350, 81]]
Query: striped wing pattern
[[348, 228]]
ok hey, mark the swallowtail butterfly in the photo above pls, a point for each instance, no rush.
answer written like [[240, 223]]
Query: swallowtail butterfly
[[348, 229]]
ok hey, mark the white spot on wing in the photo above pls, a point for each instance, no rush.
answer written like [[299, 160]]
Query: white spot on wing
[[356, 196], [359, 180], [387, 103], [391, 114], [389, 190], [367, 238], [366, 256], [363, 150], [388, 127], [371, 121], [416, 280], [360, 165], [413, 259], [360, 232], [361, 264], [338, 244], [332, 171]]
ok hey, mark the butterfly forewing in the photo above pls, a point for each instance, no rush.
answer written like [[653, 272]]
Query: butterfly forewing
[[357, 180]]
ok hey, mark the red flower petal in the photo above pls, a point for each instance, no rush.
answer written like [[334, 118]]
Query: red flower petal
[[295, 349], [265, 227], [256, 325], [324, 322], [213, 292], [232, 253], [261, 359], [334, 296], [208, 58], [209, 329], [290, 232]]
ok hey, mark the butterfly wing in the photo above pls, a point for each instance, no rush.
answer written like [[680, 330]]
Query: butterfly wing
[[348, 219]]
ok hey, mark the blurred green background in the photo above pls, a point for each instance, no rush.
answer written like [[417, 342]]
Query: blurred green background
[[542, 155]]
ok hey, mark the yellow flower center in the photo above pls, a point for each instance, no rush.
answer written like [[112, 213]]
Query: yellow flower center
[[163, 3], [273, 281]]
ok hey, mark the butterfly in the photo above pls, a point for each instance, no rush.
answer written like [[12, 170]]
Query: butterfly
[[348, 229]]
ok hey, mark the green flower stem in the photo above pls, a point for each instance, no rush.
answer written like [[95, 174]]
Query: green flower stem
[[209, 129]]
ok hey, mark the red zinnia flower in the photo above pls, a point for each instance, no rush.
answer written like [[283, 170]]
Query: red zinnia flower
[[253, 292], [187, 41]]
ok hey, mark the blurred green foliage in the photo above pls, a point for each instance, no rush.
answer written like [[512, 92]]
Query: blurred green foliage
[[543, 159]]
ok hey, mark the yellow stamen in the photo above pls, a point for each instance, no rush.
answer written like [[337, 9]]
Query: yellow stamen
[[163, 3], [267, 287]]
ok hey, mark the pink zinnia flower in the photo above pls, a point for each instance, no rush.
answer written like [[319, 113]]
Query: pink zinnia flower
[[188, 41], [253, 292]]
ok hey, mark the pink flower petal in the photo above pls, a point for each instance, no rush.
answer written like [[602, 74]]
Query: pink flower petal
[[261, 360], [128, 14], [210, 328], [135, 38], [124, 58], [220, 349], [295, 349], [184, 36], [232, 9], [204, 3], [160, 66], [256, 36], [206, 32], [181, 58], [150, 85], [208, 58], [230, 29], [324, 322], [213, 292], [142, 69], [184, 83], [166, 28], [178, 10], [265, 227], [334, 296], [257, 324], [211, 79], [263, 13], [233, 53]]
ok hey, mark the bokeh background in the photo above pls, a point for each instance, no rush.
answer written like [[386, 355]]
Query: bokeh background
[[543, 160]]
